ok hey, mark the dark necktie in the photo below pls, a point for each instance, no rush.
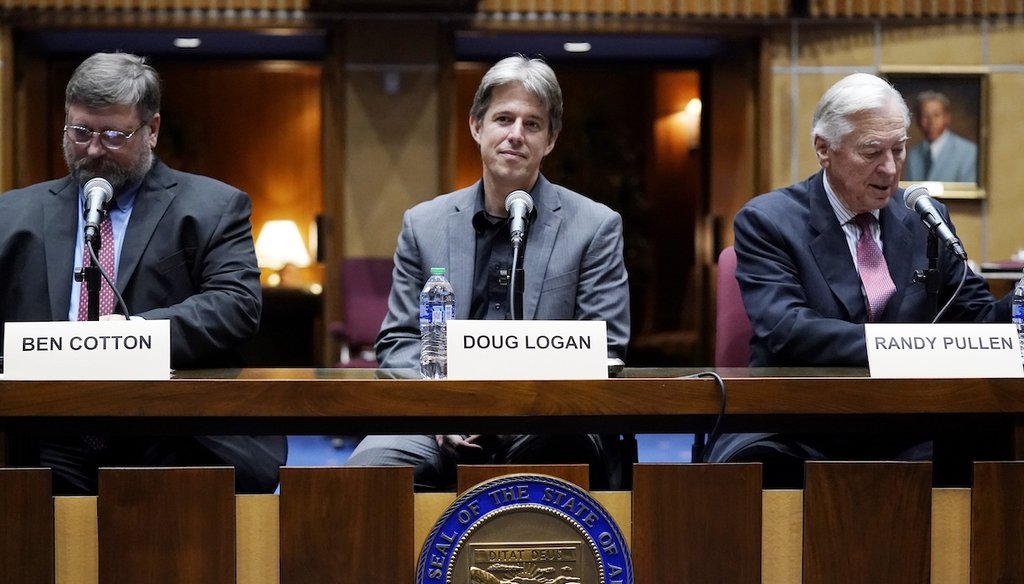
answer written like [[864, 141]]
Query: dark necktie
[[106, 258], [927, 162], [874, 272]]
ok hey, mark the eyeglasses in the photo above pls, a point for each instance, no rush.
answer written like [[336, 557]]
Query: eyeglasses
[[111, 139]]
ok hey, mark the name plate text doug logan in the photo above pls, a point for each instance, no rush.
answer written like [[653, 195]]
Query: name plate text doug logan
[[527, 349]]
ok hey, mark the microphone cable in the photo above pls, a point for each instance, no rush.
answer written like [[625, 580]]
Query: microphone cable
[[712, 436], [963, 278], [106, 277]]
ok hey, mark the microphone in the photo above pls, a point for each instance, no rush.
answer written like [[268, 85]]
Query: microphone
[[98, 193], [519, 204], [917, 199]]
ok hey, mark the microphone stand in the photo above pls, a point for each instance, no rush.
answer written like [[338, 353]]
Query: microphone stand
[[930, 277], [518, 283], [89, 276]]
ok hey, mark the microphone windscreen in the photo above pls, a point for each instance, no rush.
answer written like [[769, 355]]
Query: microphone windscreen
[[913, 194], [519, 196], [101, 184]]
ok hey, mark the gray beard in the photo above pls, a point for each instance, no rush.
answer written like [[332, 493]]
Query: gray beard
[[119, 177]]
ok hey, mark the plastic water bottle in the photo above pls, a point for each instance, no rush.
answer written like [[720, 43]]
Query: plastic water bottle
[[437, 307], [1017, 312]]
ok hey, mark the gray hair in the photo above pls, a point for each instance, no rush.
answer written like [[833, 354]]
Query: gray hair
[[106, 79], [534, 75], [929, 95], [850, 95]]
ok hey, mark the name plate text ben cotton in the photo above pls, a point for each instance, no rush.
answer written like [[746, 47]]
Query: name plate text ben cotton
[[116, 349]]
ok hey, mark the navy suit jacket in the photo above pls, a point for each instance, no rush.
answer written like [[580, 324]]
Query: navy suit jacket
[[187, 257], [802, 292], [801, 288], [574, 268]]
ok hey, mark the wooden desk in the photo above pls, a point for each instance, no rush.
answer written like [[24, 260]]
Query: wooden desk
[[331, 401], [700, 523]]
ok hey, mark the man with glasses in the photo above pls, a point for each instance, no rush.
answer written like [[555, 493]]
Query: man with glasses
[[182, 251]]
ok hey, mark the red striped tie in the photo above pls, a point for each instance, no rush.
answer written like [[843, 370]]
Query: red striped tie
[[106, 258], [874, 272]]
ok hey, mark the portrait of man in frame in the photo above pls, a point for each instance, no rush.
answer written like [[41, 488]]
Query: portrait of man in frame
[[946, 146]]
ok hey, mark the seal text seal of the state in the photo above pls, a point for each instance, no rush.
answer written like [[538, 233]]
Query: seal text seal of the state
[[525, 529]]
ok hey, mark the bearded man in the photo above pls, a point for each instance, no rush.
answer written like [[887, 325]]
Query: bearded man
[[182, 251]]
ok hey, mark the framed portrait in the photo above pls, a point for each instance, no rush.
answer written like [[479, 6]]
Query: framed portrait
[[948, 126]]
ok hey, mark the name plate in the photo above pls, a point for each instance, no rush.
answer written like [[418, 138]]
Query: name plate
[[527, 349], [943, 350], [114, 349]]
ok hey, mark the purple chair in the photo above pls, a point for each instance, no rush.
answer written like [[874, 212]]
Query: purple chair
[[365, 286], [732, 326]]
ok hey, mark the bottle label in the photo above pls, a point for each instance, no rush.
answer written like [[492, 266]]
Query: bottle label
[[437, 312]]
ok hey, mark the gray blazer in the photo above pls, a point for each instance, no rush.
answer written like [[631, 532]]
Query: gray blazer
[[957, 162], [574, 267]]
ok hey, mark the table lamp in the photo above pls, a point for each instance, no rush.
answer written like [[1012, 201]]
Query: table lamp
[[279, 247]]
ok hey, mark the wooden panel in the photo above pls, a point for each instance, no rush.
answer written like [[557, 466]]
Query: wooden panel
[[697, 523], [257, 554], [782, 522], [867, 522], [951, 536], [997, 522], [341, 524], [472, 474], [76, 557], [26, 522], [166, 525]]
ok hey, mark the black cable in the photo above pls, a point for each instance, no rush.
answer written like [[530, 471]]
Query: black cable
[[963, 278], [117, 295], [712, 436]]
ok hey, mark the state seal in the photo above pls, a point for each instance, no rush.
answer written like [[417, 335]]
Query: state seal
[[522, 529]]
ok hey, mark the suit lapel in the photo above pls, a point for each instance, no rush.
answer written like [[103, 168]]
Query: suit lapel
[[830, 251], [155, 195], [462, 248], [60, 216], [897, 241], [540, 243]]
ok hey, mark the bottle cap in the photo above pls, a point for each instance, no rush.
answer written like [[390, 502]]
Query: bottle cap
[[437, 271]]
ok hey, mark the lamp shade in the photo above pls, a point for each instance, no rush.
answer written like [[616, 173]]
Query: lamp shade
[[279, 243]]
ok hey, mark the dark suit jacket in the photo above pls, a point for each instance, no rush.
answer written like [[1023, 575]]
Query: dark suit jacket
[[801, 289], [574, 266], [803, 294], [187, 257]]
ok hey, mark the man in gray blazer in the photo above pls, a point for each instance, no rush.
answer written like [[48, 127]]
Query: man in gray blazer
[[573, 270], [797, 251], [943, 155], [183, 251]]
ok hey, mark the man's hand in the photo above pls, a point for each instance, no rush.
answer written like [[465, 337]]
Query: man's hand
[[113, 317], [458, 444]]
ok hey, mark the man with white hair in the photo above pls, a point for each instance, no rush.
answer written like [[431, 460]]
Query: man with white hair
[[819, 258]]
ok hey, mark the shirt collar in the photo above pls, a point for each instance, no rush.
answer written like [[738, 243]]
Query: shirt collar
[[843, 214], [482, 220], [937, 144]]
